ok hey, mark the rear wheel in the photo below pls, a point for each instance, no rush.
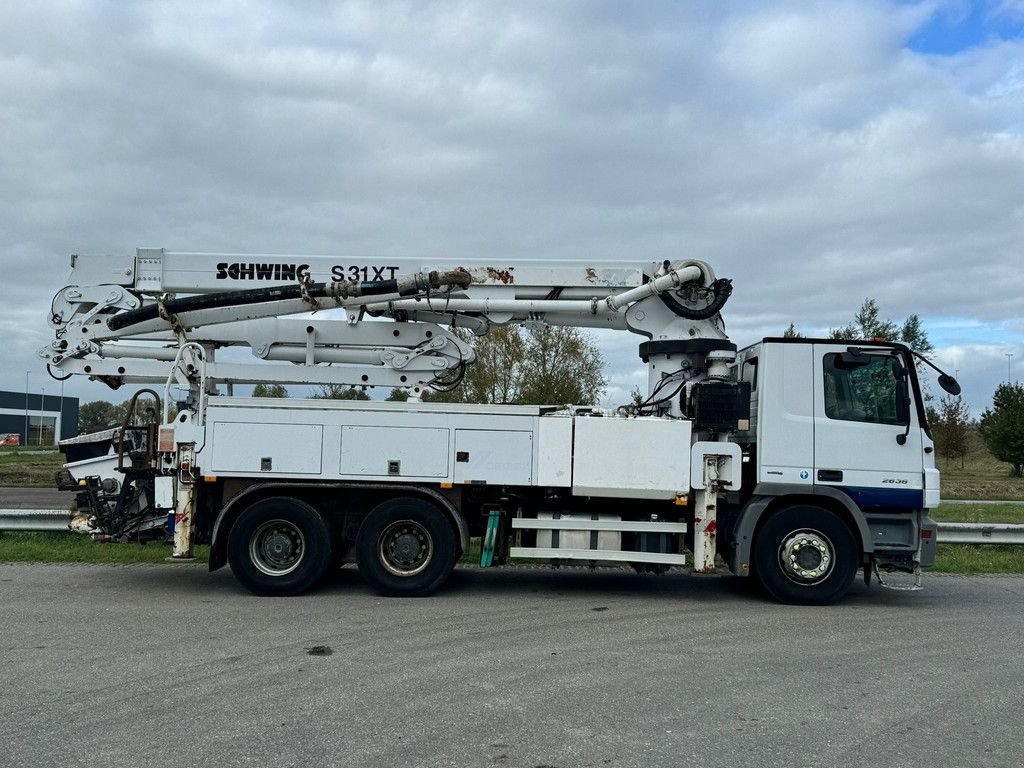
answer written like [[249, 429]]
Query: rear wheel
[[279, 546], [406, 547], [805, 555]]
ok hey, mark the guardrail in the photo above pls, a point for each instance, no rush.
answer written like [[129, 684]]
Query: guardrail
[[949, 533], [34, 519], [980, 533]]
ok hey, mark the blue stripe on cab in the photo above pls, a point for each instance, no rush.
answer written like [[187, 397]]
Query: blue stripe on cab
[[889, 498]]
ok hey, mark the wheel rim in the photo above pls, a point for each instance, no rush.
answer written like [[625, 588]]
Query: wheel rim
[[405, 548], [807, 557], [276, 547]]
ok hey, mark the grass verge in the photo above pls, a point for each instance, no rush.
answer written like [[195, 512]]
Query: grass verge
[[61, 547], [28, 468], [980, 477], [980, 513], [979, 558]]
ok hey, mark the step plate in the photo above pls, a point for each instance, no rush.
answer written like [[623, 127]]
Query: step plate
[[541, 553], [630, 526]]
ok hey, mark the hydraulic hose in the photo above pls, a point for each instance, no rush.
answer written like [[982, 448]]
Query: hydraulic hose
[[721, 289], [410, 285]]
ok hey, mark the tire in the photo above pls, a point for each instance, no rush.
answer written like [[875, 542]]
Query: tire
[[406, 548], [279, 546], [805, 555]]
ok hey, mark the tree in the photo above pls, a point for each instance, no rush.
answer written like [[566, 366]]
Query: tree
[[561, 365], [1002, 426], [495, 375], [397, 395], [952, 427], [792, 333], [340, 392], [98, 415], [915, 337], [269, 390], [868, 324], [539, 366], [637, 397]]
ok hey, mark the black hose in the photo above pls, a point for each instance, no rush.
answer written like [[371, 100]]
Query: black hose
[[55, 376], [236, 299], [342, 289], [722, 290]]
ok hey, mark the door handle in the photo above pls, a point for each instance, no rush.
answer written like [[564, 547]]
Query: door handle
[[830, 475]]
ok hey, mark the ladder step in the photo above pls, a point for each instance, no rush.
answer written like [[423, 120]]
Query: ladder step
[[630, 526], [544, 553]]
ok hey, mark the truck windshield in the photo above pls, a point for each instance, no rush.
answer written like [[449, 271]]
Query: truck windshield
[[868, 388]]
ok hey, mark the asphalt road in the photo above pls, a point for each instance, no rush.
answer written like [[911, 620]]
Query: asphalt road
[[171, 666]]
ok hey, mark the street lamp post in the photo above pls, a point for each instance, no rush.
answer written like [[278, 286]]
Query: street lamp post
[[26, 407], [42, 412]]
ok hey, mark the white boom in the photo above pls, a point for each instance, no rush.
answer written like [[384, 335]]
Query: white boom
[[123, 320]]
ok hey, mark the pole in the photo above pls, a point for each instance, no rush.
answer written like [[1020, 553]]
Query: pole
[[1009, 355], [26, 407], [42, 412]]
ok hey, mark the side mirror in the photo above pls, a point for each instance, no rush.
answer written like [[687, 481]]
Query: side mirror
[[949, 384]]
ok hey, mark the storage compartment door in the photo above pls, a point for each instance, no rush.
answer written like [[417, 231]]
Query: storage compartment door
[[493, 457], [642, 458], [412, 452], [279, 449]]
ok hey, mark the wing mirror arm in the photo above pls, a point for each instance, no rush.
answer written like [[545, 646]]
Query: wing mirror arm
[[947, 382]]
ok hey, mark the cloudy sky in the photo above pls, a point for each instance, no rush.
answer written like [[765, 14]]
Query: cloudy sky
[[817, 153]]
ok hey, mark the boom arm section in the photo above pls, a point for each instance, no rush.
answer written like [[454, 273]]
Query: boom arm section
[[125, 320]]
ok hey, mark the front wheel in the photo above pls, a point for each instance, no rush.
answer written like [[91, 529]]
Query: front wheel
[[406, 547], [805, 555], [279, 546]]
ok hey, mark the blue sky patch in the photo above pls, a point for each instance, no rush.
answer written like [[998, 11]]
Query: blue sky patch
[[950, 331], [956, 29]]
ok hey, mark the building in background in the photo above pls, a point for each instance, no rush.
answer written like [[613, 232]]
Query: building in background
[[45, 419]]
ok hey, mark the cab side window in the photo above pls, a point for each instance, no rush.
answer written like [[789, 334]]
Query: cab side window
[[865, 388]]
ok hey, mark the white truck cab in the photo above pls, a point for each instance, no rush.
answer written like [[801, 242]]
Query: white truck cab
[[841, 424]]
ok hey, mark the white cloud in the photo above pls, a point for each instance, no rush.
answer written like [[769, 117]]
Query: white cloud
[[800, 148]]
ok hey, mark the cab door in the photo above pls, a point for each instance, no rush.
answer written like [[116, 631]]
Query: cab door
[[867, 441]]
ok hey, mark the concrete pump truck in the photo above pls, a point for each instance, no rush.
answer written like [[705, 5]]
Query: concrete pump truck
[[796, 462]]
